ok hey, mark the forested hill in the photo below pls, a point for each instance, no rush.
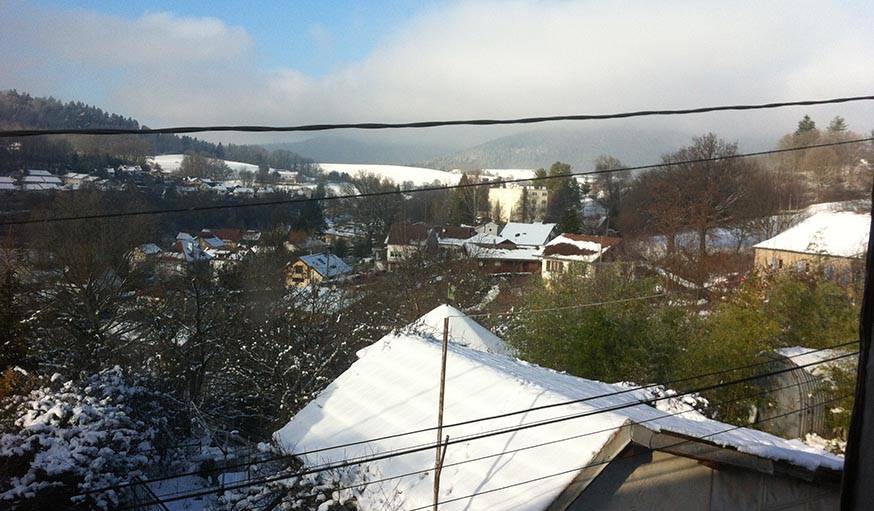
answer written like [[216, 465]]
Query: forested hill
[[578, 145], [84, 153]]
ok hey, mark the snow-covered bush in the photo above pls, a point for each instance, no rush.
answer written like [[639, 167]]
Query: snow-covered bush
[[72, 437], [314, 492]]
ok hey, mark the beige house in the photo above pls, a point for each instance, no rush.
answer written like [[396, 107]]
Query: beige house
[[507, 202], [405, 240], [569, 251], [835, 241], [315, 269]]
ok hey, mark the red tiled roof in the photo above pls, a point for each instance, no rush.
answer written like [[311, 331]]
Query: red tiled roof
[[402, 233]]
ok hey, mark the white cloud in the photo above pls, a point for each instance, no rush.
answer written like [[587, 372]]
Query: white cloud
[[496, 59]]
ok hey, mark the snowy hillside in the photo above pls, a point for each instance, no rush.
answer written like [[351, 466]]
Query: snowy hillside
[[171, 162]]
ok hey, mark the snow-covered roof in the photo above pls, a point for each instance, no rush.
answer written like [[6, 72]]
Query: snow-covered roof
[[6, 179], [39, 187], [839, 234], [327, 265], [393, 388], [74, 175], [508, 254], [41, 179], [578, 247], [482, 238], [184, 236], [823, 359], [192, 251], [213, 242], [150, 248], [34, 172], [527, 234], [462, 330]]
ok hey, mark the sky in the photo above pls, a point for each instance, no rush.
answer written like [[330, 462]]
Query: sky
[[274, 62]]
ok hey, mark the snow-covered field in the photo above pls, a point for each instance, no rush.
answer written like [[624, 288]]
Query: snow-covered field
[[171, 163], [509, 173], [420, 176]]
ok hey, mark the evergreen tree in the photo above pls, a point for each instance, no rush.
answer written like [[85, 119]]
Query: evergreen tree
[[522, 209], [263, 173], [311, 216], [563, 206], [837, 125], [12, 346], [805, 125], [462, 212]]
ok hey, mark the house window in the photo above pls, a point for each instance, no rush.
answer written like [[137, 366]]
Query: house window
[[554, 266]]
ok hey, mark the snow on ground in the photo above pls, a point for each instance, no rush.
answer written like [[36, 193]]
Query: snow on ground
[[393, 388], [509, 173], [420, 176], [490, 296], [462, 330], [171, 162]]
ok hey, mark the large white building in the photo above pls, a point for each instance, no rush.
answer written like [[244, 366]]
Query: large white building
[[506, 203]]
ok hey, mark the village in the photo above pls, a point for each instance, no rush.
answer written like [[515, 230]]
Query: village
[[481, 287], [442, 256]]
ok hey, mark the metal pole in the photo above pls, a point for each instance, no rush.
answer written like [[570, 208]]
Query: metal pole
[[857, 492], [438, 460]]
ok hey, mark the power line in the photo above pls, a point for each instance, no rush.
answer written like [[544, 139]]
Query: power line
[[564, 307], [605, 462], [301, 200], [426, 124], [541, 444], [492, 417], [428, 446]]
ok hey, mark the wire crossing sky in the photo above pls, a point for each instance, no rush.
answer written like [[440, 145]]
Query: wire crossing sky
[[427, 124]]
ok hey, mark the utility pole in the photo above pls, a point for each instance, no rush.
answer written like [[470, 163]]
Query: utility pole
[[857, 492], [438, 460]]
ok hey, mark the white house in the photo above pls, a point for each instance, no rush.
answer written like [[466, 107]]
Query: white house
[[491, 228], [508, 202], [636, 456], [314, 269], [7, 184]]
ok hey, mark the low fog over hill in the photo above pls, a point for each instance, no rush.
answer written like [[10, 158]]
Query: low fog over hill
[[577, 146]]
